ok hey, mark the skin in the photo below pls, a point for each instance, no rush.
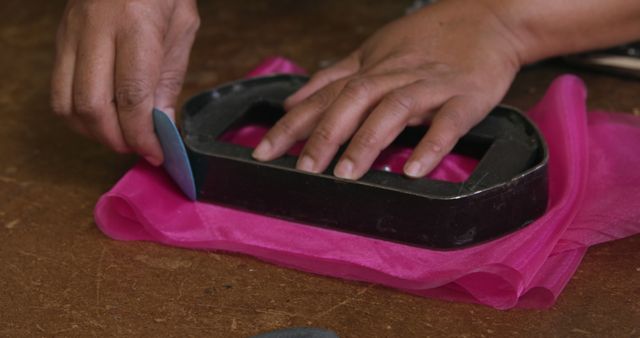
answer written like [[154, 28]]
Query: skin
[[115, 61], [430, 66], [447, 65]]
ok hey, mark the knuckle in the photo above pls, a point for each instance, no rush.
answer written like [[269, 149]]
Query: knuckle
[[358, 89], [82, 12], [425, 85], [171, 82], [132, 92], [188, 22], [436, 68], [75, 17], [325, 135], [88, 107], [191, 16], [399, 102], [367, 138], [90, 8], [193, 23], [135, 9], [287, 128], [320, 100], [455, 119], [75, 11], [436, 144]]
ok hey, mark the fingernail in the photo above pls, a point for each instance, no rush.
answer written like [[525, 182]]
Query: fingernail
[[306, 163], [413, 169], [344, 169], [263, 150], [153, 161]]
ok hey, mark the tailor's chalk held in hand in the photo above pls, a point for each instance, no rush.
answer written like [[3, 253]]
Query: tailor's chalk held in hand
[[176, 161]]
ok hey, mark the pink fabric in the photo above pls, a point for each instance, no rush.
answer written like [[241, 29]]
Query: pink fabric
[[276, 65], [594, 197]]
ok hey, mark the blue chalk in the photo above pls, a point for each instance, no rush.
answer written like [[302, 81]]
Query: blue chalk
[[176, 161]]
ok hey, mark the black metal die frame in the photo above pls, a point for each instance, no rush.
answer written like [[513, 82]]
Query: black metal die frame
[[507, 190]]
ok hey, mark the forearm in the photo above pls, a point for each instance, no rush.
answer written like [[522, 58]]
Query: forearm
[[548, 28]]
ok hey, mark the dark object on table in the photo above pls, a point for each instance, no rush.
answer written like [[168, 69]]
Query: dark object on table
[[623, 60], [299, 332], [506, 191]]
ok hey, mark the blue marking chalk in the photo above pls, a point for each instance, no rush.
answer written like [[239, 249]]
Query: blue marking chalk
[[176, 161]]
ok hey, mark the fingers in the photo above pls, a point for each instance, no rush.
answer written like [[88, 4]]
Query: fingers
[[451, 122], [138, 64], [322, 78], [62, 76], [115, 61], [94, 109], [344, 116], [180, 38], [334, 113], [297, 124], [384, 124]]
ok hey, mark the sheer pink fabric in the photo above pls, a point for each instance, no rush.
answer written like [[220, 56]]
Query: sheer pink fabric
[[594, 197]]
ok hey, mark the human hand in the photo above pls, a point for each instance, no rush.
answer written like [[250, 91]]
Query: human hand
[[447, 64], [115, 61]]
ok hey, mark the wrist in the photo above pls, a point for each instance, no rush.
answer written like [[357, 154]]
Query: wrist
[[542, 29], [513, 27], [475, 26]]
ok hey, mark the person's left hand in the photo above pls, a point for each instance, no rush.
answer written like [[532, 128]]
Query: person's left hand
[[448, 64]]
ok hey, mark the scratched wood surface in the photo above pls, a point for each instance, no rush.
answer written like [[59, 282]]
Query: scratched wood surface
[[59, 276]]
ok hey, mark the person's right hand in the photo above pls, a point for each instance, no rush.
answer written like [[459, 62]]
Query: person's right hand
[[115, 61]]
